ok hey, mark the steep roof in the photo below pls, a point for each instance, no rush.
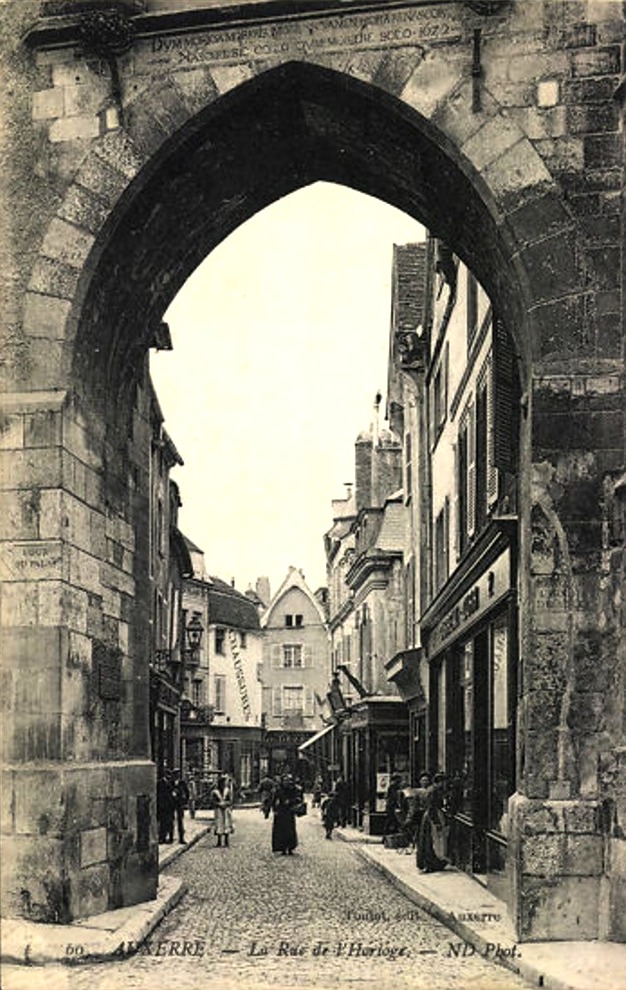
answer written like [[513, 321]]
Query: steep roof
[[294, 579], [229, 607]]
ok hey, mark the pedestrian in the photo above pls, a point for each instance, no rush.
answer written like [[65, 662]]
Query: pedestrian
[[342, 799], [330, 813], [433, 834], [317, 792], [180, 796], [395, 806], [222, 802], [286, 802], [266, 790], [192, 787], [165, 806]]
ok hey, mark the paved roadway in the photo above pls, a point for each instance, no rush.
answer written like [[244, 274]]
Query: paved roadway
[[254, 919]]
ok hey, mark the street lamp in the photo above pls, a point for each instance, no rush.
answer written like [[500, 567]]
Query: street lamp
[[194, 631]]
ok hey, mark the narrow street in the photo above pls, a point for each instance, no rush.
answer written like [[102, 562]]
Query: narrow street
[[252, 918]]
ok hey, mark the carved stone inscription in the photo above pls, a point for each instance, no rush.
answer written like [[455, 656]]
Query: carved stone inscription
[[298, 39], [40, 560]]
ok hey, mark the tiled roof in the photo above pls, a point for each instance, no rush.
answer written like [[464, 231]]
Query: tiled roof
[[229, 607]]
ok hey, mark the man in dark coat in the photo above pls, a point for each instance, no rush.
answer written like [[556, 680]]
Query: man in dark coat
[[165, 807]]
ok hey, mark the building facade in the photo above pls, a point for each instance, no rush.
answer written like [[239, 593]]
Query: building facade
[[365, 562], [221, 721], [295, 671]]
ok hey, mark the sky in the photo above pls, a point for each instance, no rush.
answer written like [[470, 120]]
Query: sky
[[280, 342]]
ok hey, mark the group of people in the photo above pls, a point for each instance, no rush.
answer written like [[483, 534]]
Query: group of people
[[174, 795], [421, 819], [284, 796]]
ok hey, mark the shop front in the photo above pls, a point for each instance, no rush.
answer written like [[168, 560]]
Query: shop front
[[374, 742], [472, 653], [283, 755], [320, 753]]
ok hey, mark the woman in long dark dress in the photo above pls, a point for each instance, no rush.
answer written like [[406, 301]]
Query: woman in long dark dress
[[286, 798], [432, 841]]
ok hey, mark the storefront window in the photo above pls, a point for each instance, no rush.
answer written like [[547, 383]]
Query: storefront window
[[467, 709], [441, 718], [501, 784]]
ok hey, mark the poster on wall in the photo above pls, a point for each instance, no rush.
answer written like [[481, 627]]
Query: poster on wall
[[312, 376]]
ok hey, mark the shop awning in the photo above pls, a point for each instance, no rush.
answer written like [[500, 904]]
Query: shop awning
[[316, 737]]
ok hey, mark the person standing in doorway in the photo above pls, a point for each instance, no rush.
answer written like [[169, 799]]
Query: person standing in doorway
[[222, 802], [165, 806], [192, 787], [180, 796]]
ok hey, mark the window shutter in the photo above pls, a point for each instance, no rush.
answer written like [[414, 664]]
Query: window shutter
[[505, 444], [309, 702], [455, 504], [471, 471], [492, 474], [277, 657], [307, 656], [278, 700], [444, 381]]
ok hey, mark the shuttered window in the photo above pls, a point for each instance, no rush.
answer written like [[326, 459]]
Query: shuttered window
[[506, 394]]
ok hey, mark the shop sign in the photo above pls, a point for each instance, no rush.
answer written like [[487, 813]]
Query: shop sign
[[485, 592]]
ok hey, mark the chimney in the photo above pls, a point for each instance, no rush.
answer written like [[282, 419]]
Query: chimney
[[262, 589], [363, 471]]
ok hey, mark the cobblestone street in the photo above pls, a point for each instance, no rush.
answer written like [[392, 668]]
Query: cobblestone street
[[252, 918]]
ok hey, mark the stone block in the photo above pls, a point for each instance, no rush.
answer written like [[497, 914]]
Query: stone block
[[47, 104], [617, 895], [430, 83], [516, 172], [68, 243], [113, 577], [42, 429], [494, 139], [35, 737], [548, 93], [51, 277], [101, 179], [227, 77], [84, 570], [45, 316], [61, 604], [19, 603], [539, 819], [85, 101], [32, 879], [584, 855], [83, 208], [11, 431], [596, 61], [20, 514], [47, 360], [543, 855], [565, 909], [93, 846], [580, 817], [597, 91], [75, 129], [146, 132], [592, 118], [111, 603], [39, 802]]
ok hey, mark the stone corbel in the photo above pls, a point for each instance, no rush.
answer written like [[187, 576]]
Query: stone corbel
[[107, 32]]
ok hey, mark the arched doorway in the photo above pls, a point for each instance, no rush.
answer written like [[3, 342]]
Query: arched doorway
[[283, 129]]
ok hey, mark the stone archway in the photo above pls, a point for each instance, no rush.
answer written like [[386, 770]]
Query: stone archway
[[115, 247]]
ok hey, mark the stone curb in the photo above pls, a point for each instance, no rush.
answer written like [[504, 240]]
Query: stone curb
[[527, 970], [176, 851], [94, 946]]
